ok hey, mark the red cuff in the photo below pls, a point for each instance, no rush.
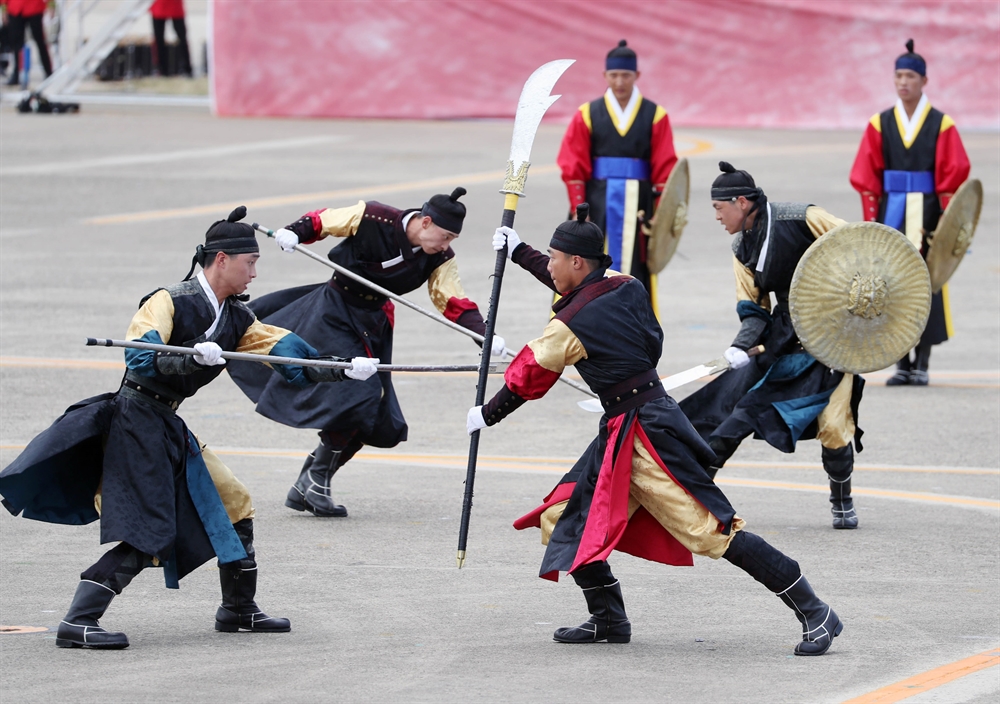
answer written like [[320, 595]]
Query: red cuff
[[869, 206], [465, 313], [577, 194], [317, 224]]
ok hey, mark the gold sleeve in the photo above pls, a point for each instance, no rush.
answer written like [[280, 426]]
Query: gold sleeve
[[557, 348], [746, 289], [157, 313], [341, 222], [444, 284], [260, 338], [820, 222]]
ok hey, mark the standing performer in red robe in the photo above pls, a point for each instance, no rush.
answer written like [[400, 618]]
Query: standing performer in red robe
[[642, 486], [910, 162], [616, 155]]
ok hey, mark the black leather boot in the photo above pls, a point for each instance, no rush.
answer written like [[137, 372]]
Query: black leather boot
[[80, 629], [776, 571], [820, 624], [608, 621], [839, 466], [902, 375], [239, 586], [238, 610], [919, 377], [311, 491]]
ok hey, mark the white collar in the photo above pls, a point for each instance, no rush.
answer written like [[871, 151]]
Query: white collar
[[910, 124], [762, 257], [621, 114], [213, 299]]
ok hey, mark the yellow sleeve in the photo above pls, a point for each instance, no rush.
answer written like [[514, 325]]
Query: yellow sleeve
[[820, 222], [157, 313], [444, 284], [557, 348], [746, 289], [341, 222], [260, 338]]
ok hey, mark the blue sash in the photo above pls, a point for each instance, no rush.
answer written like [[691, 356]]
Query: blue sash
[[896, 185], [227, 544], [616, 170]]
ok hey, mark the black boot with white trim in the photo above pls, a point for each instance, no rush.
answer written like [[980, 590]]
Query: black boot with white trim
[[608, 621], [80, 629]]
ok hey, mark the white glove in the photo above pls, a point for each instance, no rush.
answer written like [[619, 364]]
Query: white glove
[[286, 239], [209, 354], [362, 368], [475, 421], [736, 357], [506, 236], [498, 347]]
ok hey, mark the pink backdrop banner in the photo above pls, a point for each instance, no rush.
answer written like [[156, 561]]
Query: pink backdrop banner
[[753, 63]]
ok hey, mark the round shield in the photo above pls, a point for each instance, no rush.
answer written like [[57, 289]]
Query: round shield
[[671, 216], [860, 297], [954, 232]]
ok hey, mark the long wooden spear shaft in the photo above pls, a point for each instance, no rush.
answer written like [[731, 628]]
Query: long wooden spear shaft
[[534, 101], [273, 359], [405, 301]]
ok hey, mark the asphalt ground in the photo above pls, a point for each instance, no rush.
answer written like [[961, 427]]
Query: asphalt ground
[[98, 209]]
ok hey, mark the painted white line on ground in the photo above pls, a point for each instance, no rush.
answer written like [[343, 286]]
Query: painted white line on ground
[[58, 167]]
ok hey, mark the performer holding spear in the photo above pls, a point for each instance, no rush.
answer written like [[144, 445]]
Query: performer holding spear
[[642, 486], [127, 457]]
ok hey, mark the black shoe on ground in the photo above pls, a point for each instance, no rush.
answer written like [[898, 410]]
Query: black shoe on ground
[[239, 611], [80, 629]]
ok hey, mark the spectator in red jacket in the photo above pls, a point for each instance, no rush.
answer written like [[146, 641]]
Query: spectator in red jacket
[[173, 10], [19, 14]]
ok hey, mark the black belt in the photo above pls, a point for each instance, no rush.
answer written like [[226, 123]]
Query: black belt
[[358, 294], [632, 393], [172, 403]]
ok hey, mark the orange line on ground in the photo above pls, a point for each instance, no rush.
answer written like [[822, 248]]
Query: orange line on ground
[[929, 680]]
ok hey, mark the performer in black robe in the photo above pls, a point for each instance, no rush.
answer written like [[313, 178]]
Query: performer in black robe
[[128, 458], [642, 486], [397, 249], [783, 395]]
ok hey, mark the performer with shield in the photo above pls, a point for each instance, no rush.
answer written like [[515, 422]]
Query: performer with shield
[[910, 163], [128, 458], [785, 394], [642, 485], [616, 155], [398, 249]]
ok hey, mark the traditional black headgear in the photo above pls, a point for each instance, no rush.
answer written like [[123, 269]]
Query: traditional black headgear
[[229, 236], [914, 62], [621, 58], [733, 184], [581, 238], [445, 211]]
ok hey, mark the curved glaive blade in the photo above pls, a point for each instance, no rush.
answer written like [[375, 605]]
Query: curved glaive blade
[[535, 99]]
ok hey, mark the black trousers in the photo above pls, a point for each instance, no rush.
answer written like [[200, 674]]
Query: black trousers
[[183, 57], [17, 36]]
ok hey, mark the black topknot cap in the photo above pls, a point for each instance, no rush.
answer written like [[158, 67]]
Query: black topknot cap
[[726, 168], [909, 45], [457, 193], [237, 214], [582, 212], [622, 42]]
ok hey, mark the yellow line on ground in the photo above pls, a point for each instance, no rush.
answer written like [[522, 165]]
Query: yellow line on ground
[[700, 147], [557, 465], [929, 680], [856, 491]]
